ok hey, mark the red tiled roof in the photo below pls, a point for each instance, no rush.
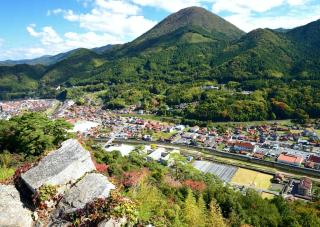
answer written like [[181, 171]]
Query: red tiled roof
[[290, 158], [244, 144]]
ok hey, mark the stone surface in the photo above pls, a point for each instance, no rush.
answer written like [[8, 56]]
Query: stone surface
[[12, 211], [92, 186], [113, 223], [60, 167]]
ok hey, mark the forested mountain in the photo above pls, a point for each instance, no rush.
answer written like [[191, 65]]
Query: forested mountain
[[190, 25], [171, 63], [44, 60], [51, 59]]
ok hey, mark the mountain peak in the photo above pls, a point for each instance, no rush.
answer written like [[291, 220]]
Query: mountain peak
[[193, 17]]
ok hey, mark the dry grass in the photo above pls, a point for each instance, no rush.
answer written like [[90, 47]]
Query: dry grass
[[252, 179]]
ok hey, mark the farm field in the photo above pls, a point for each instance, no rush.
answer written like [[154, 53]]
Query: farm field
[[224, 172], [252, 179]]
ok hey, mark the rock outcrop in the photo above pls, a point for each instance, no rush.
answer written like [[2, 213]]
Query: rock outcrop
[[113, 223], [72, 170], [92, 186], [12, 211], [60, 167]]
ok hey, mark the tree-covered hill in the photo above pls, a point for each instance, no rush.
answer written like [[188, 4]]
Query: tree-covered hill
[[189, 49], [79, 64]]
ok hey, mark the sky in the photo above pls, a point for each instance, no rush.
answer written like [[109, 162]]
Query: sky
[[33, 28]]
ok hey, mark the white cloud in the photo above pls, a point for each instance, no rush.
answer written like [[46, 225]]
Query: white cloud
[[247, 22], [171, 5], [117, 18], [117, 21], [118, 24], [22, 53], [53, 12], [249, 15], [47, 36], [52, 43], [88, 40], [244, 6], [297, 2], [117, 6]]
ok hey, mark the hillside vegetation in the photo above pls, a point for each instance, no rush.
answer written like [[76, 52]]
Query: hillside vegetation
[[264, 74], [160, 195]]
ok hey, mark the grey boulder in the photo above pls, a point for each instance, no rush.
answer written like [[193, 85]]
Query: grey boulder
[[12, 211], [113, 222], [60, 167], [92, 186]]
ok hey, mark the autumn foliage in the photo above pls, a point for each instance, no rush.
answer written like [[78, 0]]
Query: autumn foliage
[[133, 178], [195, 185]]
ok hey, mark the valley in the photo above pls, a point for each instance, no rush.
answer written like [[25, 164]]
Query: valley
[[193, 123]]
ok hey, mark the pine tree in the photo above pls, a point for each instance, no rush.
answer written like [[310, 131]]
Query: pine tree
[[215, 218]]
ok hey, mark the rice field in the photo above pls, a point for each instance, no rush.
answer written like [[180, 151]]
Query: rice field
[[252, 178], [224, 172]]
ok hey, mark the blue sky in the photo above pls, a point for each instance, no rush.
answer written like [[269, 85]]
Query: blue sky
[[32, 28]]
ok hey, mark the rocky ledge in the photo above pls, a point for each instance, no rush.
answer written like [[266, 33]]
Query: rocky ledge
[[70, 171], [12, 210], [61, 167]]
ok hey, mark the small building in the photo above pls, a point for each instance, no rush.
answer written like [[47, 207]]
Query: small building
[[305, 186], [244, 147], [194, 129], [180, 127], [258, 155], [313, 162], [290, 159], [147, 137], [278, 178]]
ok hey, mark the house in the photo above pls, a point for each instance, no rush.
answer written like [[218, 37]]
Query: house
[[156, 155], [210, 87], [189, 136], [290, 159], [147, 137], [180, 127], [305, 186], [313, 162], [258, 155], [278, 178], [243, 147], [194, 129]]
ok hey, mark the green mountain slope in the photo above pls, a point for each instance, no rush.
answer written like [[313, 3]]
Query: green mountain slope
[[193, 17], [189, 25], [20, 78], [169, 65], [78, 65], [261, 52]]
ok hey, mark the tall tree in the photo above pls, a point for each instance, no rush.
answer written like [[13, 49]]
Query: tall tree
[[192, 214], [215, 218]]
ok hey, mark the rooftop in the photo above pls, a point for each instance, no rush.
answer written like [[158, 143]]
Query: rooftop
[[290, 158]]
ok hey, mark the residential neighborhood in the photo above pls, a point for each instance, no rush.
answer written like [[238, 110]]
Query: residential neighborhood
[[290, 145]]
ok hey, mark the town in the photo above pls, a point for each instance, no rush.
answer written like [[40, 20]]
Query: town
[[290, 146]]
